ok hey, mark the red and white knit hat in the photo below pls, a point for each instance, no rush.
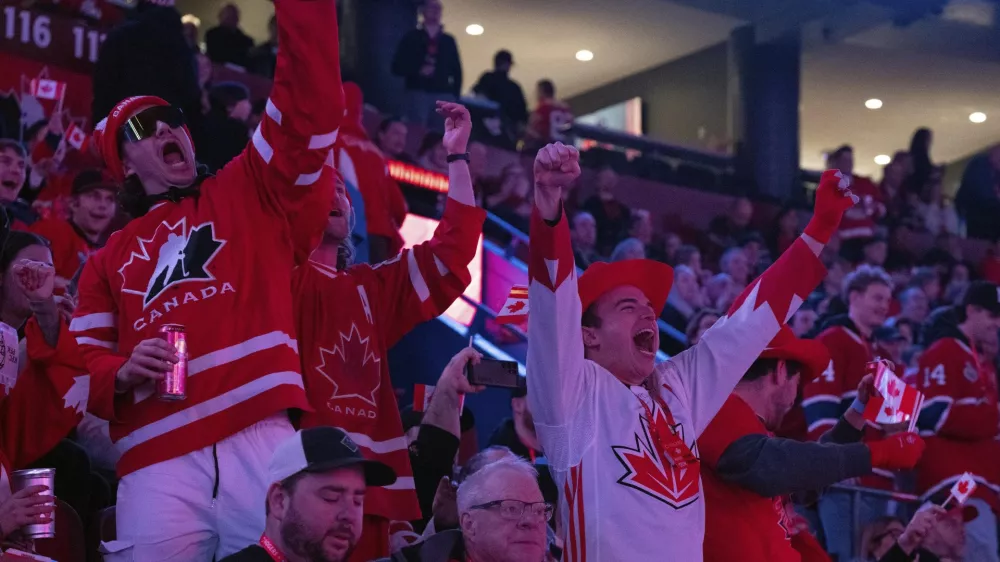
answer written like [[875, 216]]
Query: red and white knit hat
[[106, 132]]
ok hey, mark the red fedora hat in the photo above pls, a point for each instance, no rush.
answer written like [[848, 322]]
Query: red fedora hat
[[653, 278], [811, 354]]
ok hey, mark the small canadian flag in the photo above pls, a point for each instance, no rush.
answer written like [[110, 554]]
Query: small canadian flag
[[895, 402], [76, 137], [46, 89], [516, 308], [963, 489], [422, 394]]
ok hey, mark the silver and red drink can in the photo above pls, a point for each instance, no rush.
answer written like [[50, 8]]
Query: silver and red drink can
[[174, 385], [21, 479]]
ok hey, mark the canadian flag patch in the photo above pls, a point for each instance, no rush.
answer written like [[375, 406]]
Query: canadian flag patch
[[515, 309]]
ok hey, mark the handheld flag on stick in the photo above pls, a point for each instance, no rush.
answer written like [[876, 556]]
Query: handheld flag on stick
[[962, 489], [895, 401]]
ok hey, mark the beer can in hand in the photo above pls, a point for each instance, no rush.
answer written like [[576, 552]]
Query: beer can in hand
[[174, 384], [22, 479]]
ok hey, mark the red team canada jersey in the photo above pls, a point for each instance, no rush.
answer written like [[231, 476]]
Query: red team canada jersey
[[69, 248], [958, 420], [347, 321], [619, 501], [739, 524], [220, 263], [827, 397]]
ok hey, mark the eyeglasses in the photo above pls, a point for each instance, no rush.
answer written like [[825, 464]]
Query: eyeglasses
[[514, 510], [142, 125]]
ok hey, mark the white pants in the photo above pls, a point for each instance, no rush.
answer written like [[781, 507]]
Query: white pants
[[202, 506]]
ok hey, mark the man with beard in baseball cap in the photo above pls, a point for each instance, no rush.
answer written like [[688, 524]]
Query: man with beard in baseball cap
[[315, 504]]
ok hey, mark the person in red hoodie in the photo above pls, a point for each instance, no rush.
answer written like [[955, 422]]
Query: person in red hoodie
[[959, 415], [860, 221], [215, 255], [749, 474], [364, 167], [348, 316]]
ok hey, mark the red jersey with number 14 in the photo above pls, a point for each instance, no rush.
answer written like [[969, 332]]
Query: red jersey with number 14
[[739, 524]]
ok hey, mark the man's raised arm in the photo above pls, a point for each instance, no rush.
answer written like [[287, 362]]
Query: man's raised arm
[[557, 381], [710, 370], [293, 142]]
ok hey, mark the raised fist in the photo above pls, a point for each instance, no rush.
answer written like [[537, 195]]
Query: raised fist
[[833, 198], [457, 126], [36, 279], [556, 166]]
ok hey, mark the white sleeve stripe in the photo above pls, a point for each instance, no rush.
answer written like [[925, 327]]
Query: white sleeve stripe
[[401, 483], [263, 148], [821, 398], [272, 111], [442, 269], [100, 343], [309, 179], [379, 447], [820, 423], [92, 321], [970, 401], [417, 278], [324, 140]]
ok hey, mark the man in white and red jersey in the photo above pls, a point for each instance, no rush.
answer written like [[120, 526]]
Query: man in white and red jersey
[[619, 431], [959, 416], [826, 397], [748, 473], [214, 254], [348, 316]]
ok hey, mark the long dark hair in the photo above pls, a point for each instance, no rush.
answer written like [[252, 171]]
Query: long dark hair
[[18, 240]]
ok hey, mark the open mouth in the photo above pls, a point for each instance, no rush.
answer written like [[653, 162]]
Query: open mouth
[[172, 154], [336, 213], [8, 184], [644, 341]]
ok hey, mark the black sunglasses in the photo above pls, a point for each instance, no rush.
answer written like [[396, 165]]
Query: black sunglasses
[[142, 125]]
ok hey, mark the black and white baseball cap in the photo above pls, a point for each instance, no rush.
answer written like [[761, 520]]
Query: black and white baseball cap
[[322, 449]]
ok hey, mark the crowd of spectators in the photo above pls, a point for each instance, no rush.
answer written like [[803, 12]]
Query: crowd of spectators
[[895, 303]]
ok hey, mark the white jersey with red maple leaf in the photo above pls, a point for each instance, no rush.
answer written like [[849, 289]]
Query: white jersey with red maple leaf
[[618, 500]]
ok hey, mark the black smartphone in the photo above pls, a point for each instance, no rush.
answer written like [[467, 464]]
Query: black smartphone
[[492, 372]]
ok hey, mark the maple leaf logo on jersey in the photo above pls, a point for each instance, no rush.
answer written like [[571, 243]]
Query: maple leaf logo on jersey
[[360, 371], [645, 471], [171, 256]]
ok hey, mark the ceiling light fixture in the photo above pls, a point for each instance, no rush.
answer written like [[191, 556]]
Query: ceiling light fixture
[[874, 103], [977, 117], [474, 29], [584, 55], [882, 159]]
